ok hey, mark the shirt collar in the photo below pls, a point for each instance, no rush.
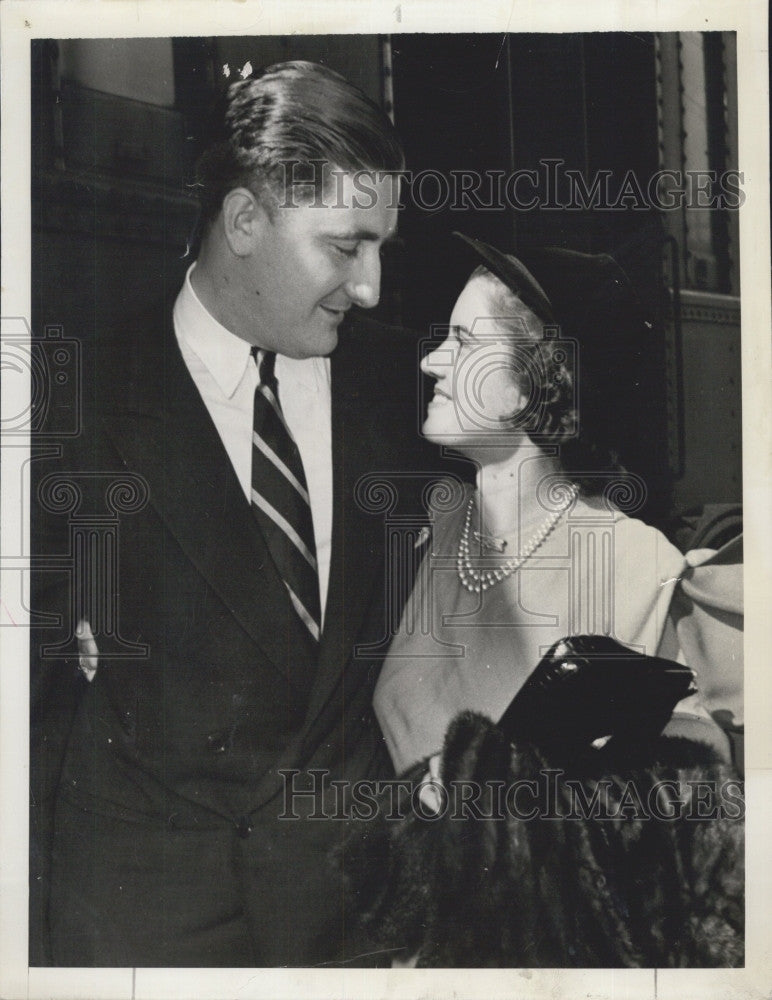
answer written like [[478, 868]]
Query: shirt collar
[[225, 355]]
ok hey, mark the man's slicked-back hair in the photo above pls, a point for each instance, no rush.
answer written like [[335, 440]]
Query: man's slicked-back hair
[[281, 125]]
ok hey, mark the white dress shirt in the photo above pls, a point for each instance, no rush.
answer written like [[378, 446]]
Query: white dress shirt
[[225, 374]]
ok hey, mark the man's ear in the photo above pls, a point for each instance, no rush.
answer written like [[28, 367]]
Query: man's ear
[[243, 217]]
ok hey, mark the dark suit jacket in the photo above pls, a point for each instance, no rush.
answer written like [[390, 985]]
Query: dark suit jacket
[[207, 688]]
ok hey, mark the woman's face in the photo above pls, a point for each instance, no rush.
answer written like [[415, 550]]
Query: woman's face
[[477, 389]]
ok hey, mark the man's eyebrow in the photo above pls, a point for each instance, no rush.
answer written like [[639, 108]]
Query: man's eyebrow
[[465, 330], [362, 233]]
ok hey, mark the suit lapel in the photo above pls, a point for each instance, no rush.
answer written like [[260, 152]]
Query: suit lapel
[[357, 535], [163, 431]]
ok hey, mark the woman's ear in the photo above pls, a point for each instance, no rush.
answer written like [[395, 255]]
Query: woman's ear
[[520, 397], [243, 216], [515, 402]]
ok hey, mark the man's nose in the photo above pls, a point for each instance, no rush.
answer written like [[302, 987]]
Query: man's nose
[[364, 284]]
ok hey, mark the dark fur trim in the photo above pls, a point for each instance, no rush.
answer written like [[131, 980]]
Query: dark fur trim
[[475, 890]]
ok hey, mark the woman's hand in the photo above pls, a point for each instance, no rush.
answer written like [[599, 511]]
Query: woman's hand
[[88, 652]]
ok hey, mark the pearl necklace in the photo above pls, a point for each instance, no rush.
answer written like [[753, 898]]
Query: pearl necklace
[[476, 580]]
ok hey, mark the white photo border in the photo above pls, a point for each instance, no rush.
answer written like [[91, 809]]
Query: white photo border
[[23, 20]]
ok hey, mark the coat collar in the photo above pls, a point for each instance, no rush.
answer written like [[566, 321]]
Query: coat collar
[[155, 417], [363, 451], [157, 420]]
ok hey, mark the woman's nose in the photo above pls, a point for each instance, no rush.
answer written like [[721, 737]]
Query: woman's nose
[[364, 284], [439, 361], [426, 363]]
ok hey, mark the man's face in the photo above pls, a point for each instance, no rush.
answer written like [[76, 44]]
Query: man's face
[[312, 262]]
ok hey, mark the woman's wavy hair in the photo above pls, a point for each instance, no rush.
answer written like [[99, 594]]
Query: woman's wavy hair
[[290, 124], [552, 382]]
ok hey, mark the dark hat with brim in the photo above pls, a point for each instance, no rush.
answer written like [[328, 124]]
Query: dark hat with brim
[[514, 275], [588, 295], [589, 299]]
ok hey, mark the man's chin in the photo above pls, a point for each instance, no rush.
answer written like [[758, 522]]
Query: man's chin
[[332, 342], [328, 339], [322, 345]]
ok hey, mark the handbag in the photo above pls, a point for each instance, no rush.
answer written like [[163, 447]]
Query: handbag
[[590, 689]]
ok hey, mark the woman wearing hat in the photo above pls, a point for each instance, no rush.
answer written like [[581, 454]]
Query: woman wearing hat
[[541, 548], [539, 644]]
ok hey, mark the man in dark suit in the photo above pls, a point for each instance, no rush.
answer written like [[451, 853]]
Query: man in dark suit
[[171, 805]]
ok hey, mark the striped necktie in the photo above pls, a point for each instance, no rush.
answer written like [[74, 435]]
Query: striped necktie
[[280, 498]]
